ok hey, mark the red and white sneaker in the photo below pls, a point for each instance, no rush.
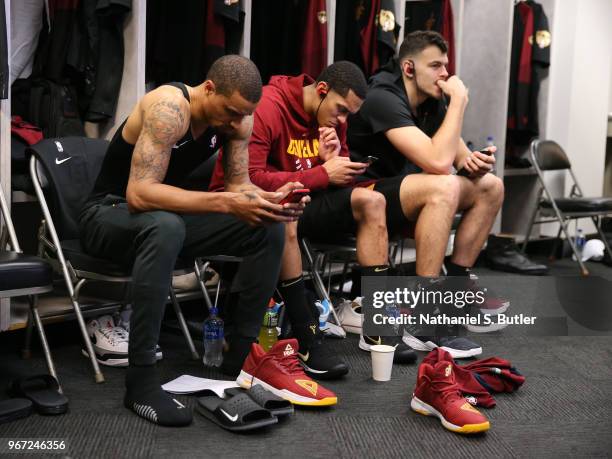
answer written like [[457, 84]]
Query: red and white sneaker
[[279, 371], [437, 394]]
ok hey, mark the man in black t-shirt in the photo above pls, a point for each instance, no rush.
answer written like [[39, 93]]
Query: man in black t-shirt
[[140, 215], [412, 119]]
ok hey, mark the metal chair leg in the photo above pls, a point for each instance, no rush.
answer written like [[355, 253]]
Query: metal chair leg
[[99, 377], [183, 325], [43, 339], [583, 269], [200, 274]]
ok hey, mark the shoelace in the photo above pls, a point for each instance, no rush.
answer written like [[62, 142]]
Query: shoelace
[[447, 390], [115, 334], [291, 364]]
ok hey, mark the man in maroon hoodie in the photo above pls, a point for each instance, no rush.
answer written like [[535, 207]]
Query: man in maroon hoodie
[[299, 135]]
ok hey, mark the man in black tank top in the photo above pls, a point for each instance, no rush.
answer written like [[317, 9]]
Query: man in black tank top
[[140, 215]]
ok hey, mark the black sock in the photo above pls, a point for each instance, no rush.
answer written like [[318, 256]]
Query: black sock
[[304, 322], [456, 270], [146, 398], [377, 271]]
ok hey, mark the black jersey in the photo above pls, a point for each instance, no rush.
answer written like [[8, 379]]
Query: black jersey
[[187, 154]]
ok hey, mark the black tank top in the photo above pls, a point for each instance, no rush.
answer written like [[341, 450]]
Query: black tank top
[[187, 154]]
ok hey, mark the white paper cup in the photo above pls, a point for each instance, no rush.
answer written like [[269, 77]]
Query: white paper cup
[[382, 361]]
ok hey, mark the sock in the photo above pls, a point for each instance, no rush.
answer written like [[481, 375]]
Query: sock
[[304, 322], [457, 270], [146, 398], [238, 348], [377, 271]]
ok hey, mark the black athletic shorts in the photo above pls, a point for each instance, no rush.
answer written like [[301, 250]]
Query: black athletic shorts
[[329, 217]]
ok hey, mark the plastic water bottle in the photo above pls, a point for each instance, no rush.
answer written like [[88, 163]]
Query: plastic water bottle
[[213, 339], [490, 141], [268, 334], [580, 241], [393, 310]]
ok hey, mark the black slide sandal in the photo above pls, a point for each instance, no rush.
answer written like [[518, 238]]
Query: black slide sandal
[[264, 398], [237, 414], [15, 408], [43, 392]]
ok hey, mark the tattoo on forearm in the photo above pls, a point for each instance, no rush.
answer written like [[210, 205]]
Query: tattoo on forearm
[[164, 123], [236, 161]]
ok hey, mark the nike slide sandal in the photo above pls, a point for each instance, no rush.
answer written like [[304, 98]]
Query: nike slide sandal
[[15, 408], [43, 392], [273, 403], [237, 414]]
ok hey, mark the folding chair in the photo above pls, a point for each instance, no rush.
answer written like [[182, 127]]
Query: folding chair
[[547, 155], [24, 275], [66, 169]]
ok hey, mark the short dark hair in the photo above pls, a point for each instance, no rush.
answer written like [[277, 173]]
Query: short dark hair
[[417, 41], [343, 76], [236, 73]]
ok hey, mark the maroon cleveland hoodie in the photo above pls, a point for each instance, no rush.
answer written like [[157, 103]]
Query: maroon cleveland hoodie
[[284, 146]]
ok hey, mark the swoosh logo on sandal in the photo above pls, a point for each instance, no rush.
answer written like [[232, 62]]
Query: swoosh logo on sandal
[[233, 418]]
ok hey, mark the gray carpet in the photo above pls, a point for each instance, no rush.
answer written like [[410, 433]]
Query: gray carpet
[[563, 410]]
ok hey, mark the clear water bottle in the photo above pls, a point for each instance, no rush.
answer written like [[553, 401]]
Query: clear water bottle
[[213, 339], [490, 141], [580, 241]]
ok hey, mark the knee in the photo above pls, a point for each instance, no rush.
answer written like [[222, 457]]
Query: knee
[[165, 232], [369, 204], [491, 188], [446, 191], [270, 238]]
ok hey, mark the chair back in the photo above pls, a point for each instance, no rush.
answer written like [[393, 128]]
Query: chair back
[[549, 156], [67, 168]]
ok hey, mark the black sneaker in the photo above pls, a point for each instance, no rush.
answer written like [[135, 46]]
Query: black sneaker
[[320, 362], [403, 352], [459, 347]]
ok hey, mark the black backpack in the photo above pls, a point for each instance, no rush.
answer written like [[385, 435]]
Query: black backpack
[[50, 106]]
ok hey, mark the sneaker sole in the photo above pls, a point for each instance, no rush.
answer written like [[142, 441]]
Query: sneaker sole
[[423, 408], [428, 346], [117, 361], [109, 360], [352, 329], [245, 381]]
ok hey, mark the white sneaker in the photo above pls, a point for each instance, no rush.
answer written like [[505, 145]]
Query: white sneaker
[[122, 319], [110, 342], [349, 313], [189, 281], [326, 327], [332, 330]]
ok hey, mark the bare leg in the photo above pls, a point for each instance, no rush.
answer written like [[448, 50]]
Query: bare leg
[[431, 201], [480, 199], [372, 241], [291, 264]]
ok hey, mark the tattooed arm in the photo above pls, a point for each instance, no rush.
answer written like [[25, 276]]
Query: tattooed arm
[[236, 158], [165, 118]]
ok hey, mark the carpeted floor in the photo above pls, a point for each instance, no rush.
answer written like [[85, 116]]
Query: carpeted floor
[[563, 410]]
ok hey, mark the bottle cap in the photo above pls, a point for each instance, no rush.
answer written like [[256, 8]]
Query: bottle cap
[[214, 311]]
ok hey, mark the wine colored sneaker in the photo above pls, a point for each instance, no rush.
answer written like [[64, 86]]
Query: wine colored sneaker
[[437, 394], [279, 371]]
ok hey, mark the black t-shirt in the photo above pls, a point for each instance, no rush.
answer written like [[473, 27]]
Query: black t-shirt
[[386, 107], [187, 155]]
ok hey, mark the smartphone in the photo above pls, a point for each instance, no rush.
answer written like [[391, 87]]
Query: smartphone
[[295, 196], [463, 172], [371, 159]]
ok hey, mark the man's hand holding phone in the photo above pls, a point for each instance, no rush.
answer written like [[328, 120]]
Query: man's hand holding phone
[[294, 198], [478, 163]]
